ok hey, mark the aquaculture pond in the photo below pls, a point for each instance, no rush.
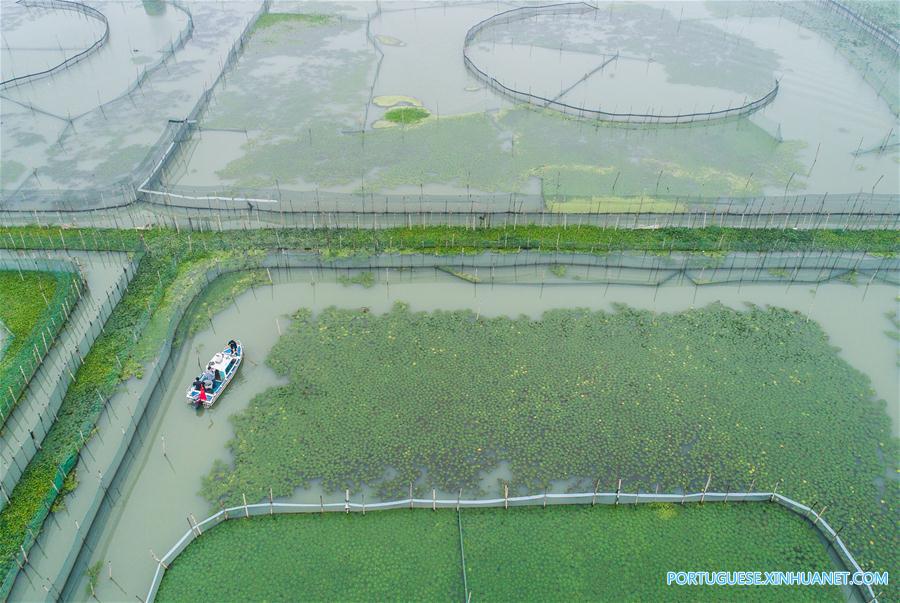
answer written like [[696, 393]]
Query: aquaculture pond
[[154, 493], [561, 553], [340, 76]]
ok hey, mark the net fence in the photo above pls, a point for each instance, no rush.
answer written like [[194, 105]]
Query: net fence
[[581, 8], [179, 131], [83, 9], [617, 497], [213, 211], [883, 36]]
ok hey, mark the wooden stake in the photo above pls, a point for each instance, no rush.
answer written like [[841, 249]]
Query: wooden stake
[[819, 514], [158, 560], [705, 488]]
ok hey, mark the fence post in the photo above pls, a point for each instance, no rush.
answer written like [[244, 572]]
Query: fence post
[[705, 488], [347, 500], [505, 496], [246, 509], [593, 498], [819, 514], [271, 502], [618, 490], [158, 560]]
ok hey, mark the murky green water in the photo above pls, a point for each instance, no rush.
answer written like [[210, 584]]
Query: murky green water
[[158, 492], [672, 58]]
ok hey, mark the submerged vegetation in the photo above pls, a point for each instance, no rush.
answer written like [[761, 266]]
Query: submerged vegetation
[[561, 553], [657, 399], [33, 308]]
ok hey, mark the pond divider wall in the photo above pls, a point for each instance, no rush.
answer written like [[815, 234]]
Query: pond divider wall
[[582, 498], [84, 9], [26, 425], [533, 100], [120, 447]]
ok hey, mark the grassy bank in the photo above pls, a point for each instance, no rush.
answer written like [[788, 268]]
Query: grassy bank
[[560, 553], [34, 307], [170, 264], [453, 240]]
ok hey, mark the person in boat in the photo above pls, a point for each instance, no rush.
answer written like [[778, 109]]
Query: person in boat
[[207, 376], [217, 379], [201, 391], [232, 344]]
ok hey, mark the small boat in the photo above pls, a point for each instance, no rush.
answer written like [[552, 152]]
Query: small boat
[[206, 389]]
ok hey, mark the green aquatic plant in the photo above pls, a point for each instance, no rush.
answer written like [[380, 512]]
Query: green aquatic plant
[[657, 399], [561, 553], [69, 484], [93, 576], [406, 115], [34, 307], [365, 278], [268, 20], [407, 556]]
